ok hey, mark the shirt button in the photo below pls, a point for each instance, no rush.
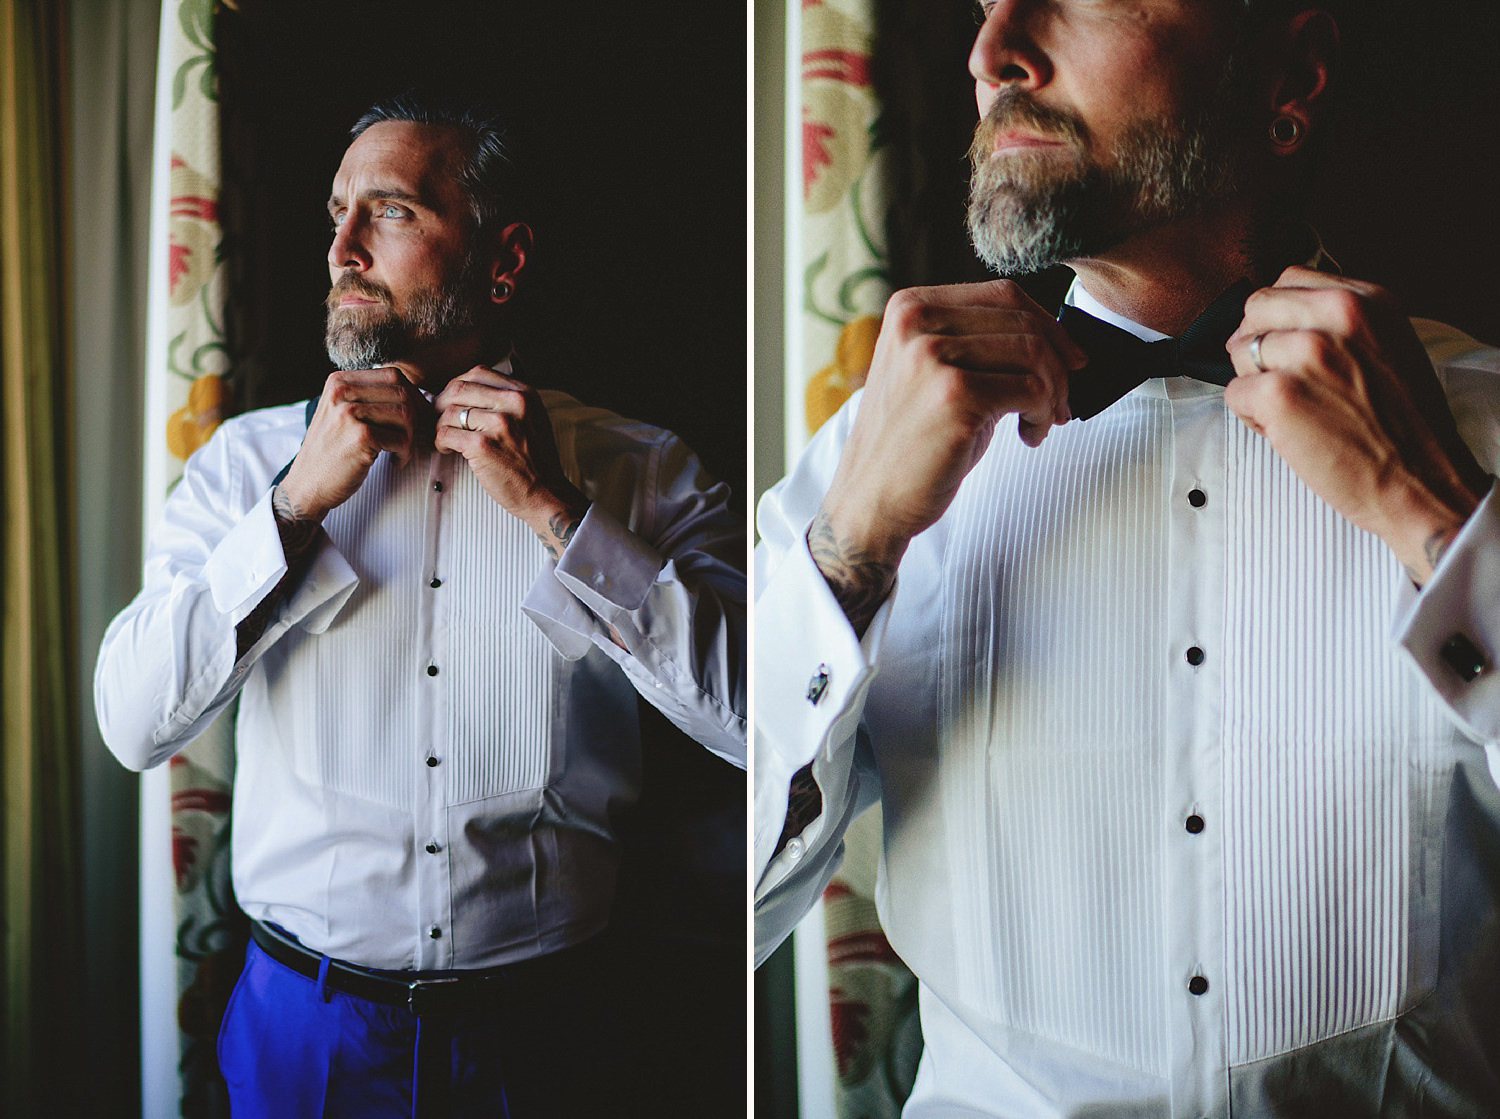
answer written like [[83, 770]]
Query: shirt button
[[794, 848], [435, 932], [432, 669], [1194, 657], [1195, 823], [1197, 985], [1197, 498], [432, 847], [436, 582], [431, 761], [437, 487]]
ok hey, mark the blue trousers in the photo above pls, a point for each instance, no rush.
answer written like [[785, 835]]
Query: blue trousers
[[290, 1048]]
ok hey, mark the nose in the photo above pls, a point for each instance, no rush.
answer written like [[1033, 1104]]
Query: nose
[[348, 250], [1006, 52]]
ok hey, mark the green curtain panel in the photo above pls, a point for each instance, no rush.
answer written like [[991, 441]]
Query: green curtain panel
[[42, 979]]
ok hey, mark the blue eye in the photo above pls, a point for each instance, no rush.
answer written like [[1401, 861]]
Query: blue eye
[[393, 212]]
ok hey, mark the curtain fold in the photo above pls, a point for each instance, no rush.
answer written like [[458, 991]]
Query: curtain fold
[[42, 928], [187, 372], [843, 265]]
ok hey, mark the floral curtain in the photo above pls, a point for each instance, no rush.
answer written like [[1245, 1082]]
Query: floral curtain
[[845, 283], [187, 393]]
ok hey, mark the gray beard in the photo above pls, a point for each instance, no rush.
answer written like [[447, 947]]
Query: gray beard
[[363, 338], [1026, 213]]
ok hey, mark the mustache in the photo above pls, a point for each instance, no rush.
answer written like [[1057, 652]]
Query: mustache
[[1015, 109], [352, 283]]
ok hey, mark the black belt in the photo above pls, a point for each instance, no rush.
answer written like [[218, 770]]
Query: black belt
[[427, 992]]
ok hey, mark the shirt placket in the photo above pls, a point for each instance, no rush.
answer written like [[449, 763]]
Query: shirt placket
[[431, 749], [1193, 658]]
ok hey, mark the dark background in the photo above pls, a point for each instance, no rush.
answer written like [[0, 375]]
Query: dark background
[[631, 121], [1406, 189]]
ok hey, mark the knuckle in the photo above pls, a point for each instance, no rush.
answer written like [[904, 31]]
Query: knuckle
[[951, 390], [1284, 393], [904, 312], [1008, 290], [1316, 350], [1345, 310], [931, 349]]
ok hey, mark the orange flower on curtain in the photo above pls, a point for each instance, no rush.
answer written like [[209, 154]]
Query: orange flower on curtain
[[190, 378], [845, 284], [843, 204]]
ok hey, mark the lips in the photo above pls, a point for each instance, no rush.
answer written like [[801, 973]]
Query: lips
[[350, 291], [1021, 141]]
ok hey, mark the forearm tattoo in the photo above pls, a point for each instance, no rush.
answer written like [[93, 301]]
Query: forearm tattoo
[[1433, 550], [298, 530], [560, 531], [859, 582]]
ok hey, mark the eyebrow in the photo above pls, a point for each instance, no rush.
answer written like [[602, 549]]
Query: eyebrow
[[394, 195]]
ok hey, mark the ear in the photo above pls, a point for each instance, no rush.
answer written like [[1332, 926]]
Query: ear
[[1305, 59], [512, 248]]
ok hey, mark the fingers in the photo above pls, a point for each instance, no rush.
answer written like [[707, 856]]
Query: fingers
[[478, 395], [1305, 300], [981, 349], [998, 307], [375, 408]]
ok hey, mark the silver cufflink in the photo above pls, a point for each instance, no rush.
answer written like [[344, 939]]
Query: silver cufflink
[[817, 685]]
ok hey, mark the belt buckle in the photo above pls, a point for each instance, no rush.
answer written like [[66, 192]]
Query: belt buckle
[[417, 999]]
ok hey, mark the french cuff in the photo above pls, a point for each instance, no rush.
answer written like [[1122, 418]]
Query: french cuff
[[811, 677], [607, 566], [249, 562], [605, 572], [323, 591], [1450, 627], [811, 669]]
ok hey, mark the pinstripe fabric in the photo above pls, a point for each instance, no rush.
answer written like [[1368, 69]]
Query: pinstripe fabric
[[436, 733], [1170, 820]]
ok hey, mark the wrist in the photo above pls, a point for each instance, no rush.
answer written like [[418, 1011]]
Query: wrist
[[556, 517], [861, 531], [555, 505], [1420, 530], [860, 580], [292, 507]]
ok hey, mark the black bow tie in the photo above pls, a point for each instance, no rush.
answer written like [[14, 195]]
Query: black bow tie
[[1119, 361]]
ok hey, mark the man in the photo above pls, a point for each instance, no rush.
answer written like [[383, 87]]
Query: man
[[1172, 826], [437, 619]]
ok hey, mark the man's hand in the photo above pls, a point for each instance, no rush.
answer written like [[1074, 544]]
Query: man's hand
[[361, 413], [1349, 399], [509, 446], [950, 361]]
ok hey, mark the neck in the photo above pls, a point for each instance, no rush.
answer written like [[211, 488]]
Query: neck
[[433, 365], [1164, 277]]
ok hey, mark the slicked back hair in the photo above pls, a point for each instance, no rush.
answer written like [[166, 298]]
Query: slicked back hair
[[487, 173]]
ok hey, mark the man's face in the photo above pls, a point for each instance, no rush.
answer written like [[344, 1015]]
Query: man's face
[[405, 269], [1098, 119]]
